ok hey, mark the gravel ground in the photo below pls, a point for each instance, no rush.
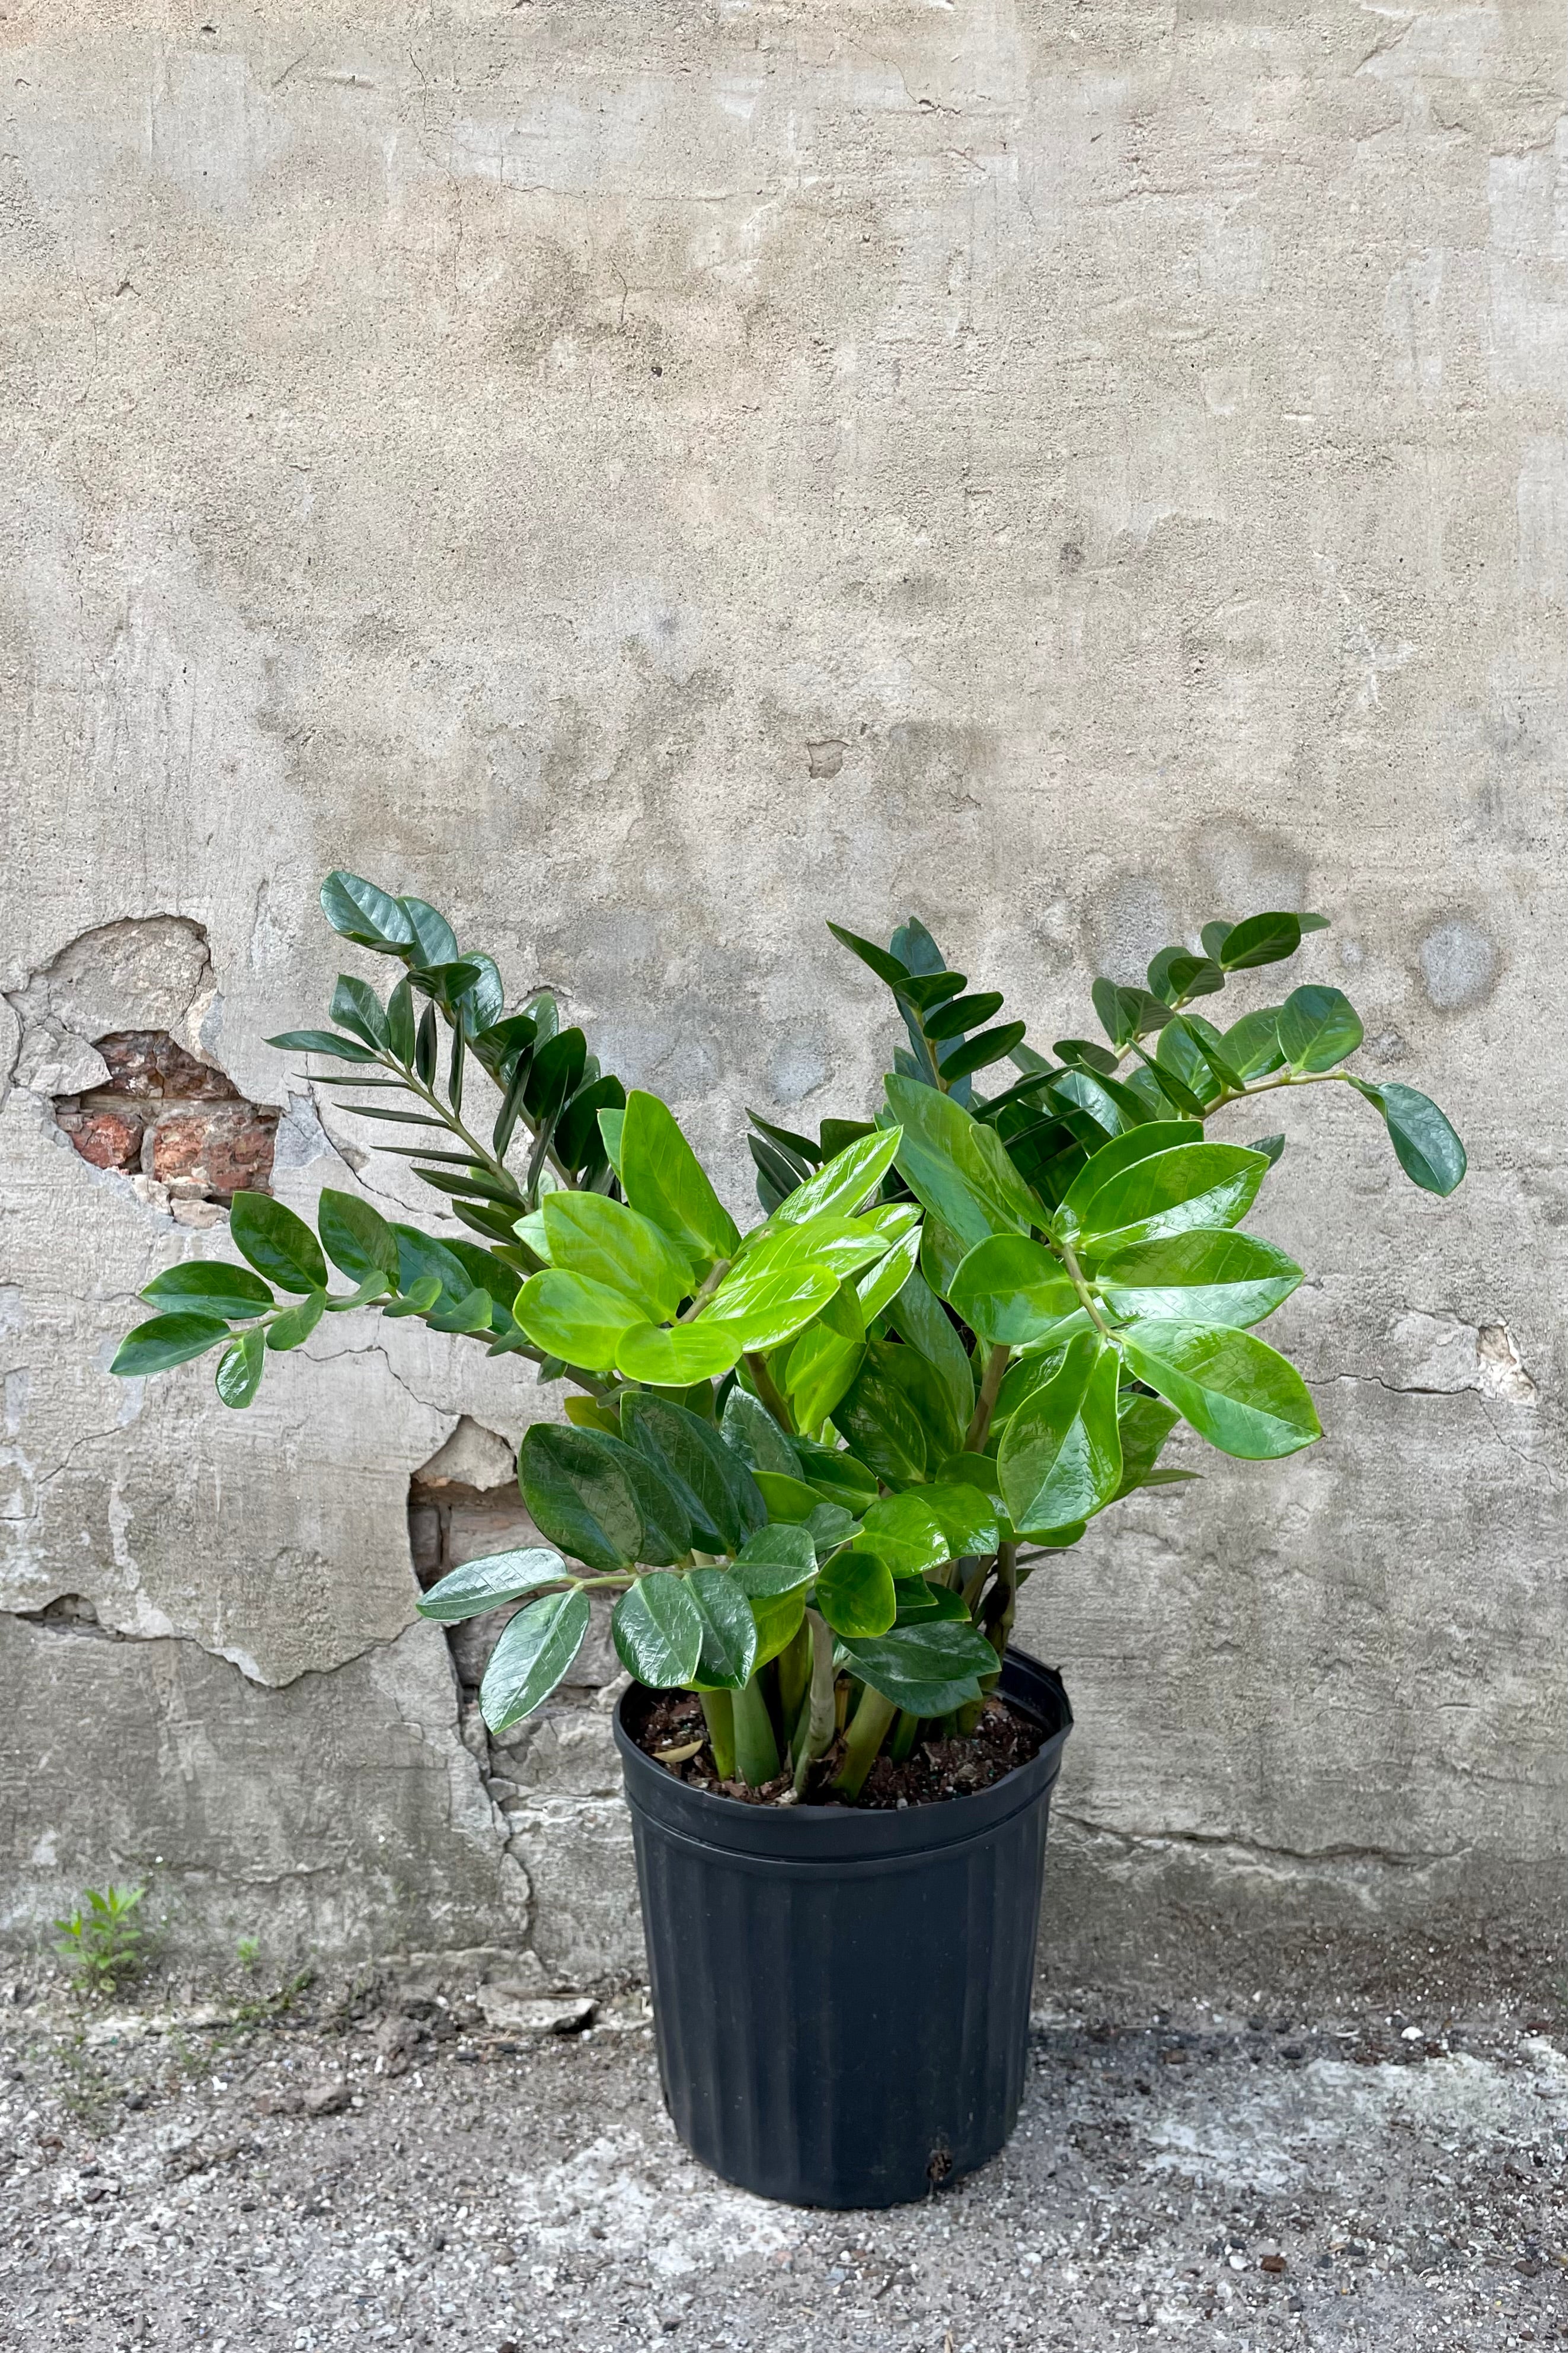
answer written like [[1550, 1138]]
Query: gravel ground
[[387, 2167]]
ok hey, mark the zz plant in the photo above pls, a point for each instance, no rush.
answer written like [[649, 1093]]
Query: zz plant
[[814, 1462]]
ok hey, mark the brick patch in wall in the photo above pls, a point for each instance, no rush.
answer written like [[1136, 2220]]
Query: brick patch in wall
[[173, 1120]]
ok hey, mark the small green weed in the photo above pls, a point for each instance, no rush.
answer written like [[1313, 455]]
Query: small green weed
[[101, 1940], [248, 1952]]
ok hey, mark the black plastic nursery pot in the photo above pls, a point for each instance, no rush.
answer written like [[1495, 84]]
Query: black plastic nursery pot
[[841, 1997]]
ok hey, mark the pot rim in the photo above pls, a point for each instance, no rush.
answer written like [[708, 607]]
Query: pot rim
[[782, 1834]]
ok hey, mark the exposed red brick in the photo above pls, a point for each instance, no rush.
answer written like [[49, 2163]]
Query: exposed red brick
[[148, 1063], [212, 1151], [109, 1139]]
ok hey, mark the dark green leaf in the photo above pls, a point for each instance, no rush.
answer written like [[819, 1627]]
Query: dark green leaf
[[357, 1239], [400, 1022], [886, 967], [1205, 1275], [555, 1073], [490, 1584], [836, 1474], [1318, 1027], [1265, 939], [964, 1013], [166, 1340], [420, 1255], [877, 1419], [357, 911], [1271, 1147], [295, 1324], [989, 1047], [1194, 1185], [1145, 1423], [928, 1668], [356, 1005], [1237, 1391], [1427, 1149], [1012, 1290], [658, 1631], [534, 1651], [1251, 1046], [279, 1245], [927, 990], [579, 1496], [434, 941], [855, 1594], [1112, 1012], [1061, 1457], [322, 1042], [779, 1558], [578, 1141], [750, 1428], [720, 1494], [240, 1368], [729, 1631], [799, 1147], [958, 1169], [426, 1045], [1179, 1053], [1085, 1053], [918, 1318], [1213, 937], [666, 1523], [208, 1287]]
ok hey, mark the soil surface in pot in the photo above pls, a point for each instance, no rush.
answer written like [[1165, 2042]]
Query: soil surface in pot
[[666, 1721]]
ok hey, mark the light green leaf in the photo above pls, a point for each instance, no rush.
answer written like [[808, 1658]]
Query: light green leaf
[[611, 1122], [240, 1368], [845, 1181], [1207, 1275], [664, 1179], [1061, 1457], [825, 1359], [1318, 1027], [958, 1169], [1122, 1152], [881, 1285], [579, 1496], [1251, 1046], [295, 1324], [729, 1631], [1237, 1392], [764, 1302], [1196, 1185], [534, 1651], [779, 1558], [572, 1317], [658, 1631], [490, 1584], [1425, 1145], [357, 1238], [673, 1356], [928, 1525], [855, 1594], [587, 1233], [1012, 1290], [209, 1287], [279, 1245]]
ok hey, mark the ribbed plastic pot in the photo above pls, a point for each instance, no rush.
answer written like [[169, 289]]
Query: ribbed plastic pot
[[841, 1995]]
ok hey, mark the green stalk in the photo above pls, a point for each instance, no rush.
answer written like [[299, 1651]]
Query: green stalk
[[795, 1679], [979, 1429], [756, 1750], [822, 1716], [867, 1734], [720, 1716], [905, 1734]]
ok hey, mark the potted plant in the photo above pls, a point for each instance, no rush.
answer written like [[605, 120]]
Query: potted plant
[[814, 1464]]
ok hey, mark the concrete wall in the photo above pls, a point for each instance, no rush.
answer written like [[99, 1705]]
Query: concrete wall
[[651, 478]]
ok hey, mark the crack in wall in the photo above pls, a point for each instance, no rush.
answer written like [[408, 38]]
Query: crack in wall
[[1226, 1843]]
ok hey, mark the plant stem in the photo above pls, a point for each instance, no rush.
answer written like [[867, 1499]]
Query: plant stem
[[769, 1392], [756, 1750], [905, 1733], [719, 1717], [1002, 1600], [867, 1734], [795, 1679], [822, 1714], [710, 1284], [979, 1429], [1076, 1276]]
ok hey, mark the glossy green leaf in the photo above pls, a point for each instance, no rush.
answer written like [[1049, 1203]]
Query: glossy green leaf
[[837, 1475], [1264, 939], [845, 1181], [579, 1141], [789, 1499], [943, 1252], [208, 1287], [658, 1631], [976, 1053], [419, 1298], [1237, 1392], [434, 941], [1177, 974], [919, 1319], [1144, 1423], [717, 1491], [1270, 1146], [400, 1023], [1205, 1275], [957, 1167], [579, 1496], [1425, 1145], [572, 1317], [880, 1284], [1122, 1152], [929, 1668], [279, 1246], [764, 1302], [356, 1007], [240, 1368], [1061, 1457], [474, 1312], [295, 1324], [420, 1256], [674, 1355], [777, 1619], [589, 1234], [357, 1238], [925, 1526], [1194, 1185], [322, 1042], [663, 1178], [1014, 1291], [357, 911], [729, 1650], [779, 1558], [825, 1358], [750, 1428], [1318, 1027], [880, 1424], [611, 1125], [1251, 1046], [490, 1584], [886, 967], [855, 1594], [535, 1650], [921, 1603], [961, 1014], [555, 1073], [1180, 1052]]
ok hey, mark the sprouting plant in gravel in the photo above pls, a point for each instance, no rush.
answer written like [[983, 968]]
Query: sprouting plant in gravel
[[248, 1952], [101, 1939], [813, 1462]]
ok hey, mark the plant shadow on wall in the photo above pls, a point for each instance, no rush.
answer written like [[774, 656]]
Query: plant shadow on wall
[[813, 1464]]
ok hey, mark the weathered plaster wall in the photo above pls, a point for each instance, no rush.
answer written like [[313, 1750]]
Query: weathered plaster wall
[[650, 478]]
